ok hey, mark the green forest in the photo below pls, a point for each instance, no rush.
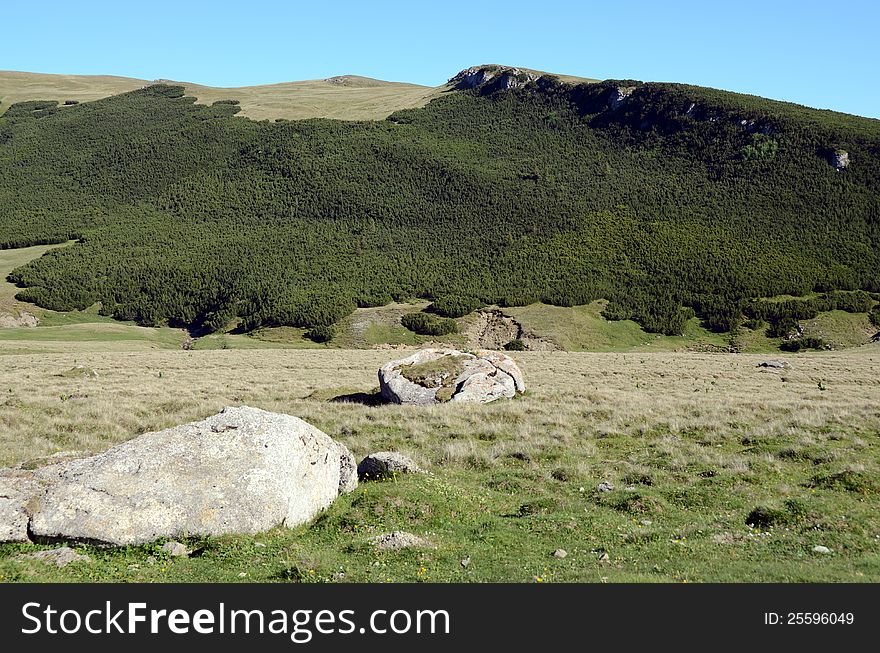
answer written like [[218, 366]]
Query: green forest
[[674, 201]]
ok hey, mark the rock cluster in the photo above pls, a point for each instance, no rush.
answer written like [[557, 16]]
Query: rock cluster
[[432, 376]]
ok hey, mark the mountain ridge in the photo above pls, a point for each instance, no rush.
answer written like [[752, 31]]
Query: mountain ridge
[[667, 200]]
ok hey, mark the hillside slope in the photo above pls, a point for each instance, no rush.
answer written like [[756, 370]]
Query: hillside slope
[[347, 97], [667, 200]]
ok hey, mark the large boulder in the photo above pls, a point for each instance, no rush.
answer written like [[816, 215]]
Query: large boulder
[[431, 376], [243, 470]]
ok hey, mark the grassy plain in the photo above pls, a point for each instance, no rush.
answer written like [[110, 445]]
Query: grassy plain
[[691, 442]]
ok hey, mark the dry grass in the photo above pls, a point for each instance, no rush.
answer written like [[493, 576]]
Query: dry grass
[[693, 444], [344, 98], [677, 404]]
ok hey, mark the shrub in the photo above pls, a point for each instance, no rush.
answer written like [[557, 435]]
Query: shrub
[[782, 327], [429, 325], [321, 333], [455, 305], [515, 345]]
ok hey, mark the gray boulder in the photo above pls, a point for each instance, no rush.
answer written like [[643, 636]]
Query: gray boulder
[[243, 470], [431, 376], [385, 464]]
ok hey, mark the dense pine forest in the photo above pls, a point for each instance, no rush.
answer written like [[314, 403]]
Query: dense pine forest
[[667, 200]]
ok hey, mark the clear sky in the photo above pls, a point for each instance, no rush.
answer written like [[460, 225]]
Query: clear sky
[[823, 54]]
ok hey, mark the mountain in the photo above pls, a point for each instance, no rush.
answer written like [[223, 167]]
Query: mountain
[[508, 187]]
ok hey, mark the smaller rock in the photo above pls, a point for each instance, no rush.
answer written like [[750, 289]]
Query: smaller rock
[[465, 562], [775, 364], [175, 549], [605, 486], [821, 549], [646, 522], [60, 557], [839, 159], [242, 574], [604, 557], [385, 464], [399, 540], [259, 545], [560, 553]]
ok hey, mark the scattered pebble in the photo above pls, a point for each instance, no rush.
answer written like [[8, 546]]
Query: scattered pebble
[[242, 574], [465, 562], [560, 553], [604, 557], [605, 486], [821, 549], [646, 522], [259, 545], [175, 549]]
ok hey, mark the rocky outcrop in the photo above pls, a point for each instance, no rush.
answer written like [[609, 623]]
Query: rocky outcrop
[[839, 159], [22, 319], [618, 96], [492, 78], [243, 470], [492, 329], [432, 376]]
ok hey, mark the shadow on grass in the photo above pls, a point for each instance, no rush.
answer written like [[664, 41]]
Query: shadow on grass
[[363, 398]]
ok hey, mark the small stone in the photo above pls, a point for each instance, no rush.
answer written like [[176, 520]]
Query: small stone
[[399, 540], [465, 562], [175, 549], [259, 545], [821, 549], [385, 464], [775, 364], [242, 574], [604, 557], [646, 522], [60, 557], [605, 486], [339, 575], [560, 553]]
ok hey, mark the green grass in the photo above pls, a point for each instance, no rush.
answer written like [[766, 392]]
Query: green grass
[[582, 328], [840, 329], [685, 531]]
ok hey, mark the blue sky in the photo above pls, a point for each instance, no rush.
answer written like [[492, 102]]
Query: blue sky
[[822, 54]]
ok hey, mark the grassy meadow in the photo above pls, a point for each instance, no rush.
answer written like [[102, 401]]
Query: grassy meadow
[[692, 443], [347, 97]]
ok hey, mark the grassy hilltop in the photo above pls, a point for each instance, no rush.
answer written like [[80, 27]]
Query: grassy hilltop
[[346, 97]]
